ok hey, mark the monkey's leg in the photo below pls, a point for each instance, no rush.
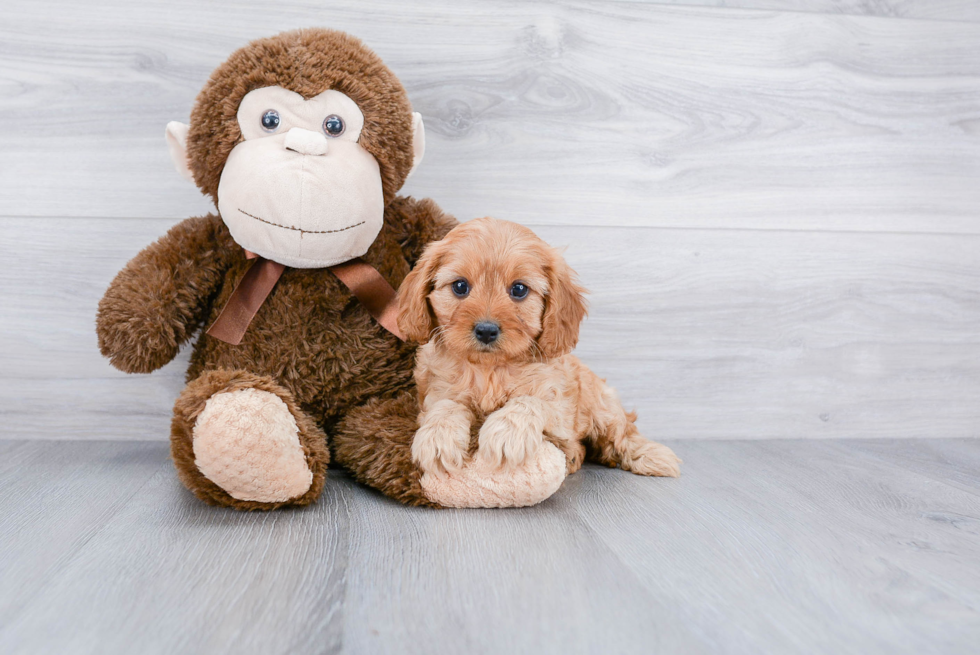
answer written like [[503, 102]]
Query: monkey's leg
[[241, 441], [374, 442]]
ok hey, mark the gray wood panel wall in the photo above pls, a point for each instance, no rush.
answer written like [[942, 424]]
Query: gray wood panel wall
[[775, 204]]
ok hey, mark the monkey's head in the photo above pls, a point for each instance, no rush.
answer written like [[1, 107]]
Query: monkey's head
[[302, 140]]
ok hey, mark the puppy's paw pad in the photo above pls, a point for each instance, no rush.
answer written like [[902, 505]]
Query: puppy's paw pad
[[440, 447], [655, 459], [506, 439]]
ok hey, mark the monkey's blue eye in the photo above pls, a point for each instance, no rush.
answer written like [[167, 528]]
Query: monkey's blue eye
[[518, 291], [333, 125], [270, 120], [461, 288]]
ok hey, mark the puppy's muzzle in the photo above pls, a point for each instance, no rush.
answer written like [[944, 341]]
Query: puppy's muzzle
[[486, 332]]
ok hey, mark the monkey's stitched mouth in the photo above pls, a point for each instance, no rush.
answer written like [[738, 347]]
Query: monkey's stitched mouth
[[300, 230]]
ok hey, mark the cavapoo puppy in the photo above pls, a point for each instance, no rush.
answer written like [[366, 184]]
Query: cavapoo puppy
[[498, 311]]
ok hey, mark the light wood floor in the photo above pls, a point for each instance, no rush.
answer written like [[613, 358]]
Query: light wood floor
[[852, 546]]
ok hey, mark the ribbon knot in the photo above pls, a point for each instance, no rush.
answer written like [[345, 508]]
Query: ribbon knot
[[363, 280]]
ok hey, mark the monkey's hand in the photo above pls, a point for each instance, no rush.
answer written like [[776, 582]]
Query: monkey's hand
[[159, 298]]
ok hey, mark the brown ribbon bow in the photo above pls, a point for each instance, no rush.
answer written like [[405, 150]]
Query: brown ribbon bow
[[363, 280]]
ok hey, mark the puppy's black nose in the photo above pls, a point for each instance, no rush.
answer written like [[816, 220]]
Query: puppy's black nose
[[486, 332]]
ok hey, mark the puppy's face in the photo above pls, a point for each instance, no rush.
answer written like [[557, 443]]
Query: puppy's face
[[493, 291], [488, 295]]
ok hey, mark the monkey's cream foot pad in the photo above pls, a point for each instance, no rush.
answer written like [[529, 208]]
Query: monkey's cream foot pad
[[247, 443], [479, 484]]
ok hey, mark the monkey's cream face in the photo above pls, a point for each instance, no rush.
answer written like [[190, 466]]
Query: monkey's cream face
[[299, 190]]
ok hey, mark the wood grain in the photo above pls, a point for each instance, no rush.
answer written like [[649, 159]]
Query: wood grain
[[953, 10], [708, 333], [588, 113], [800, 525], [781, 546], [54, 499], [953, 462], [175, 575]]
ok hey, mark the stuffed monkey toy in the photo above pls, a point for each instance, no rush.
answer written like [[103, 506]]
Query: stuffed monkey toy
[[303, 141]]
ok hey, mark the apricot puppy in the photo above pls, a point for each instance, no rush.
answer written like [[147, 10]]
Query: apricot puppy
[[498, 311]]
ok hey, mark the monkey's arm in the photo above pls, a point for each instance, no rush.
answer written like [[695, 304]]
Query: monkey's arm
[[161, 296], [416, 223]]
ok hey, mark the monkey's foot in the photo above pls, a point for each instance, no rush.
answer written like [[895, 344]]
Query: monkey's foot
[[250, 447], [480, 483], [247, 443]]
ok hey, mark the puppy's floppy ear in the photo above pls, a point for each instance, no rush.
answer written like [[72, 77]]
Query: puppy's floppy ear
[[415, 317], [564, 309]]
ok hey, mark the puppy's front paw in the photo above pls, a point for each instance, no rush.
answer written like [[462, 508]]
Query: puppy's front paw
[[653, 458], [508, 437], [441, 446]]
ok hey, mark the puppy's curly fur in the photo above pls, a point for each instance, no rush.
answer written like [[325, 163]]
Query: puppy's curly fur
[[522, 384]]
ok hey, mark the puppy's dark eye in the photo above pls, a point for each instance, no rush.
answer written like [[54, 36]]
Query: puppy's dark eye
[[333, 125], [270, 120], [461, 288], [518, 291]]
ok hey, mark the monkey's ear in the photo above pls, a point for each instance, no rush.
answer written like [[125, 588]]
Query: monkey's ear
[[177, 143], [418, 141]]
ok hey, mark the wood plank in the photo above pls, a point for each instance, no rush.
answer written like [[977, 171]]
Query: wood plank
[[529, 580], [356, 571], [796, 547], [170, 574], [781, 546], [709, 334], [954, 10], [593, 113], [955, 462], [54, 498]]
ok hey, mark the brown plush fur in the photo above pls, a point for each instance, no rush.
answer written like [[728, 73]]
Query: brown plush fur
[[311, 342], [375, 441], [524, 386]]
